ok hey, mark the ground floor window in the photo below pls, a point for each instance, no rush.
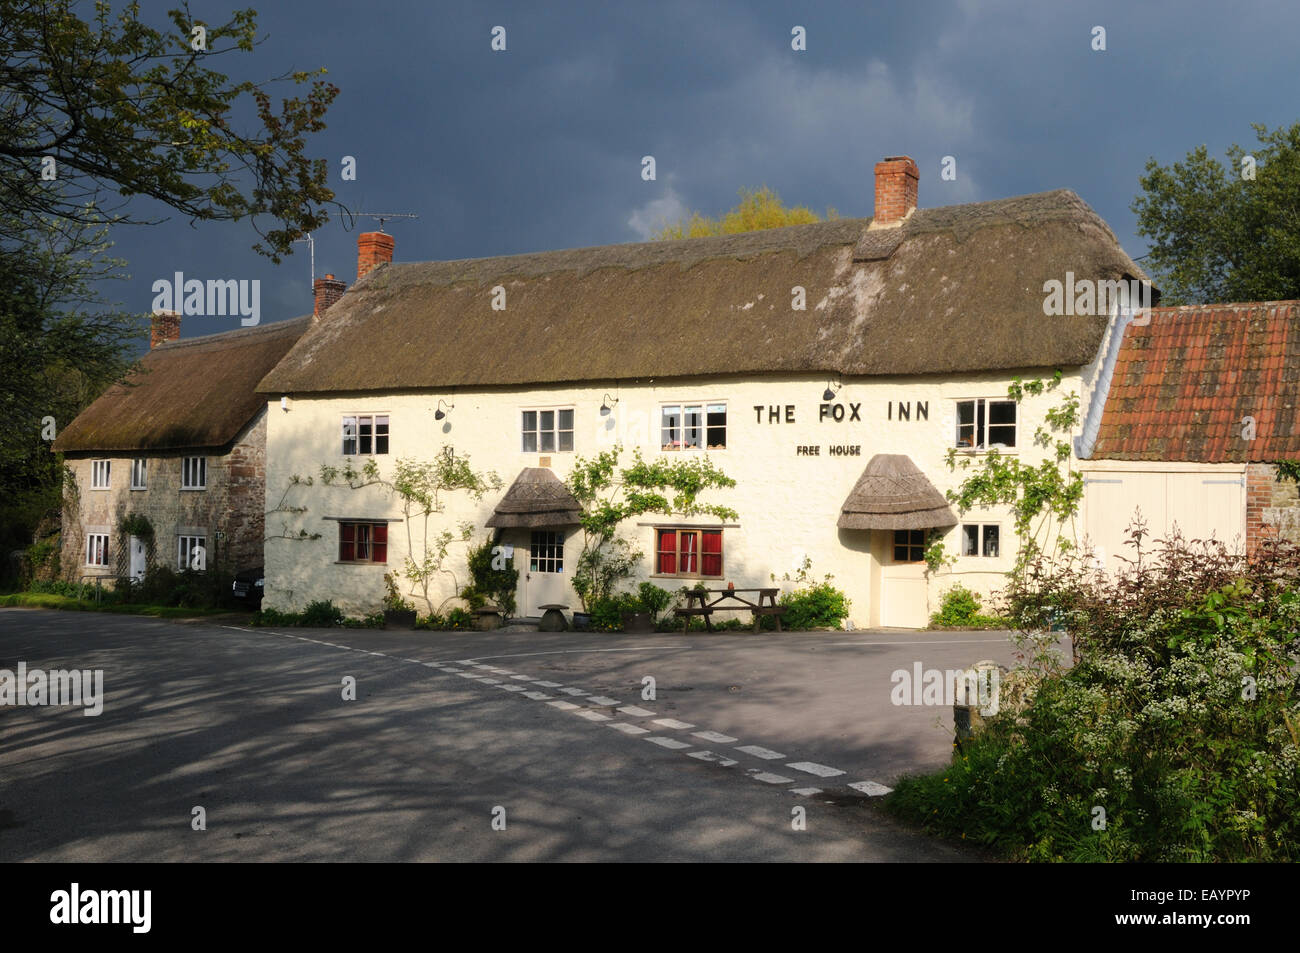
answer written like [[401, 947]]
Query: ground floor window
[[192, 552], [96, 549], [688, 552], [909, 545], [363, 542], [980, 539], [546, 551]]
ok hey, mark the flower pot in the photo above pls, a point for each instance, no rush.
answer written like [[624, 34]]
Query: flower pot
[[399, 618], [582, 621], [638, 622]]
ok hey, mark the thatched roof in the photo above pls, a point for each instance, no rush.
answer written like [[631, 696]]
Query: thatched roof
[[893, 494], [196, 393], [951, 289], [536, 499], [1184, 382]]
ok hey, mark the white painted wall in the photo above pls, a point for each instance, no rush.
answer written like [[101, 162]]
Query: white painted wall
[[788, 504]]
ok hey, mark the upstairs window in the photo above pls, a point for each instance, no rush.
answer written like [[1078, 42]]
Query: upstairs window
[[99, 474], [980, 539], [139, 474], [365, 435], [982, 424], [693, 426], [194, 473], [547, 431], [363, 542]]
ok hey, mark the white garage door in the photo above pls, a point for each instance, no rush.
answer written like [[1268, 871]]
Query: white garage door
[[1202, 505]]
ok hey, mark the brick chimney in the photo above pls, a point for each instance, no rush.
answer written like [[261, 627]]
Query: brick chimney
[[373, 249], [165, 326], [326, 291], [896, 180]]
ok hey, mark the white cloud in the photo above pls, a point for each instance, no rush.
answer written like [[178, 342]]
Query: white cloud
[[658, 212]]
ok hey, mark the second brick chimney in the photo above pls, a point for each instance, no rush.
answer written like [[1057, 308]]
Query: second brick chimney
[[373, 249], [896, 181], [326, 291], [163, 327]]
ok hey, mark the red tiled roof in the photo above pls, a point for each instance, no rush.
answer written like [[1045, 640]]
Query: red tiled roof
[[1183, 383]]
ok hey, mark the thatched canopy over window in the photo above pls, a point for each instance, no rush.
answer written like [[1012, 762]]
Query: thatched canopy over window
[[893, 494], [536, 499]]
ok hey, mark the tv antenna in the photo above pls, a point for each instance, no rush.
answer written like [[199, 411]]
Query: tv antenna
[[311, 243], [382, 216]]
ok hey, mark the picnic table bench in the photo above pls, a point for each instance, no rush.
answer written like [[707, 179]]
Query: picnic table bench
[[697, 603]]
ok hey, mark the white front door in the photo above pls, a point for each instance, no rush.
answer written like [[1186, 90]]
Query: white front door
[[544, 579], [138, 561], [903, 586]]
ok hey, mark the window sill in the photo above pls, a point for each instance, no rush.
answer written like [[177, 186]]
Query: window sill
[[193, 489], [357, 562]]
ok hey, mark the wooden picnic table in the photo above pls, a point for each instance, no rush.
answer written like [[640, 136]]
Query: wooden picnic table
[[697, 603]]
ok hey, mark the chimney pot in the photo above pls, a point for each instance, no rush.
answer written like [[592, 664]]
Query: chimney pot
[[163, 327], [896, 187], [326, 291], [373, 249]]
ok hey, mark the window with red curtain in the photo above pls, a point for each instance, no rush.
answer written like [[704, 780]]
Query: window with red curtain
[[363, 542], [688, 552], [667, 561]]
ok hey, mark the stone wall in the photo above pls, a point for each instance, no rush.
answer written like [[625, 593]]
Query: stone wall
[[1272, 507], [232, 505]]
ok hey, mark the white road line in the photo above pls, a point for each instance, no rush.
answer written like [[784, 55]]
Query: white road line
[[716, 737], [710, 756], [538, 696], [767, 754], [928, 642], [574, 691], [433, 665], [563, 706], [769, 778], [666, 742], [538, 681], [673, 723], [523, 678], [490, 681], [636, 712], [468, 675], [602, 700], [635, 648], [870, 788], [628, 729], [805, 792], [811, 767], [592, 715], [514, 688]]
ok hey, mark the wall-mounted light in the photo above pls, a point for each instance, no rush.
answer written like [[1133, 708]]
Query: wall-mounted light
[[439, 414], [284, 403], [607, 405], [829, 393]]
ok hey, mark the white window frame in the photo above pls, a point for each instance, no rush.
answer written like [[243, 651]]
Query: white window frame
[[187, 473], [97, 545], [546, 555], [140, 473], [556, 431], [981, 541], [665, 442], [101, 474], [982, 439], [185, 544], [355, 436]]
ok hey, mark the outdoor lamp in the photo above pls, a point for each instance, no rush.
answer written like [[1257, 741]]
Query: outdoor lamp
[[829, 394], [439, 414], [605, 407]]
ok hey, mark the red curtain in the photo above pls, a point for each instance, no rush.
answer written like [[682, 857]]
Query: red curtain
[[667, 552], [347, 542], [379, 550], [711, 547]]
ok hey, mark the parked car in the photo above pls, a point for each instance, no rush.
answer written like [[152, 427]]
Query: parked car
[[248, 586]]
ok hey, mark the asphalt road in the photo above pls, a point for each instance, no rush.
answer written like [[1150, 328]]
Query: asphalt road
[[251, 725]]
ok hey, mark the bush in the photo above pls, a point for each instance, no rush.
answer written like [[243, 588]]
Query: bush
[[607, 612], [486, 583], [652, 599], [1180, 717], [960, 608], [320, 614], [820, 605]]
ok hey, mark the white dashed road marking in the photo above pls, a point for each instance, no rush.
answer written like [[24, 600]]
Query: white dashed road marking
[[592, 715], [563, 706], [673, 723], [768, 778], [810, 767], [710, 756], [574, 691], [539, 696], [870, 788], [667, 742], [602, 700], [635, 712], [546, 684], [716, 737], [805, 792], [767, 754], [628, 729]]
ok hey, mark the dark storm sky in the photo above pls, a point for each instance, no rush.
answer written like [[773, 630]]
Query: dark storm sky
[[540, 147]]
